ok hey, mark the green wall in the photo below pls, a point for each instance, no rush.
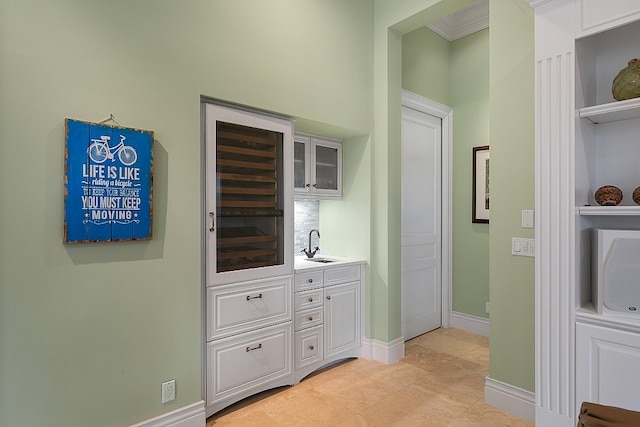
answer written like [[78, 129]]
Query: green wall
[[89, 332], [470, 102], [511, 51], [426, 65]]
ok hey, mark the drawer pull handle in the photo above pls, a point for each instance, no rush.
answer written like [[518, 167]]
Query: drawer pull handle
[[213, 222], [310, 280], [311, 347], [310, 318], [310, 299], [258, 347], [249, 298], [328, 296]]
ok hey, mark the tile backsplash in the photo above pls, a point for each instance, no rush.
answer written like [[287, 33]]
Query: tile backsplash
[[306, 218]]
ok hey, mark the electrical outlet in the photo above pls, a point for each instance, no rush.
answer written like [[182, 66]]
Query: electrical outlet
[[486, 308], [168, 391]]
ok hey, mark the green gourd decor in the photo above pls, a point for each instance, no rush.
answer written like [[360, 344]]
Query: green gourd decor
[[626, 85]]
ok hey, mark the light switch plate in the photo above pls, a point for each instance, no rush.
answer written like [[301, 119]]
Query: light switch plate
[[527, 219], [523, 247]]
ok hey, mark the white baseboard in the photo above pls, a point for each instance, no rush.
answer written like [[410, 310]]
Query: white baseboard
[[511, 399], [381, 351], [466, 322], [188, 416]]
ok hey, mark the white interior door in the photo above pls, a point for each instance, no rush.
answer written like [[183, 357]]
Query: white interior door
[[421, 223]]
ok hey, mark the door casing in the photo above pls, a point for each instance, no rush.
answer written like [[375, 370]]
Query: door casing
[[445, 113]]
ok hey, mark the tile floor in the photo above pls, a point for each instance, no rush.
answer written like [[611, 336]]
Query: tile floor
[[440, 382]]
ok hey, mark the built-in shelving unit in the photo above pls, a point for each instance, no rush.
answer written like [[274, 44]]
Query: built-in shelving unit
[[584, 140]]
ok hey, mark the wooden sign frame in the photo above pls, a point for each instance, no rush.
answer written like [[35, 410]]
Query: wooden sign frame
[[108, 183]]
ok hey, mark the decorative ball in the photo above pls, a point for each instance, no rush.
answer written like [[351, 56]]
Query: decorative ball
[[626, 84], [608, 195], [636, 195]]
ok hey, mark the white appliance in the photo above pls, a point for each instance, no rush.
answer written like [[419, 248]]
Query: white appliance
[[615, 272]]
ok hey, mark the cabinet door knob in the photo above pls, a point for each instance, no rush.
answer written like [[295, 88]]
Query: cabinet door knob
[[310, 280], [328, 296], [308, 185], [258, 347], [310, 318], [311, 347], [310, 299], [315, 185]]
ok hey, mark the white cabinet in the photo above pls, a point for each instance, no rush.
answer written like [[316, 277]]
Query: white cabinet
[[248, 339], [239, 307], [241, 365], [342, 318], [607, 363], [327, 318], [317, 167], [248, 262]]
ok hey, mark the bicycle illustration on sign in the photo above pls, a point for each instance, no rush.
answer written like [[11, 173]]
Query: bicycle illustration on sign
[[100, 151]]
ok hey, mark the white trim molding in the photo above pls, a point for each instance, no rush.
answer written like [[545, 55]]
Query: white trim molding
[[381, 351], [189, 416], [445, 113], [463, 22], [473, 324], [511, 399]]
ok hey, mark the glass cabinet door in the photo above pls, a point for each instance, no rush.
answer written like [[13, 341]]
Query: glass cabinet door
[[317, 167], [301, 165], [326, 162], [248, 195], [249, 209]]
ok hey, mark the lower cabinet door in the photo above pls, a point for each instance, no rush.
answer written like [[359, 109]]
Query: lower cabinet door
[[308, 346], [341, 318], [247, 361], [607, 363]]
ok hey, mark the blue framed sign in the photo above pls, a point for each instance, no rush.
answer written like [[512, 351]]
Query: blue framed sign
[[108, 186]]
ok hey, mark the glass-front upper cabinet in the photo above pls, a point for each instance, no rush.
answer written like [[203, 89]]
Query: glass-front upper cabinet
[[248, 195], [318, 167]]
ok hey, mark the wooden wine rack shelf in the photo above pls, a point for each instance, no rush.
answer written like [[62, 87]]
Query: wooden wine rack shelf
[[249, 211]]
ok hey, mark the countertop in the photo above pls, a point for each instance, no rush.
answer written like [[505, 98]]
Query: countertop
[[301, 263]]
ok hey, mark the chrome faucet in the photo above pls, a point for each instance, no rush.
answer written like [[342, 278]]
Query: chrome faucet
[[310, 253]]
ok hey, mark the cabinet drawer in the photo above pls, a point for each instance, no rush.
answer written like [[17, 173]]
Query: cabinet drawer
[[308, 299], [239, 308], [308, 280], [241, 362], [336, 275], [308, 318], [308, 346]]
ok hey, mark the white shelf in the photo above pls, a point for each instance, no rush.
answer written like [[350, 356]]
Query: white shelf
[[610, 210], [612, 112], [588, 314]]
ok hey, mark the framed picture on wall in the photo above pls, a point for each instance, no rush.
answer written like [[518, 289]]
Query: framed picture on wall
[[480, 191]]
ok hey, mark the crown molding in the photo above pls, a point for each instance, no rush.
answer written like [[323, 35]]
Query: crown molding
[[536, 3], [463, 22]]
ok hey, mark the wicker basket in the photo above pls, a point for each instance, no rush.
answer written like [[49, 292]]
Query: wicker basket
[[608, 195], [636, 195]]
